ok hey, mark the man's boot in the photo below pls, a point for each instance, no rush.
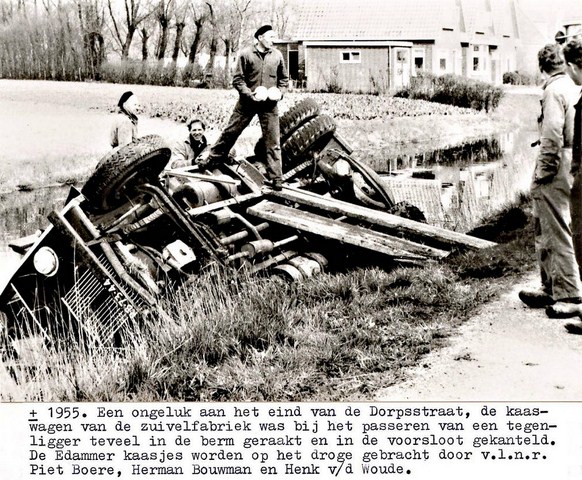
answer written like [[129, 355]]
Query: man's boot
[[566, 308], [536, 298]]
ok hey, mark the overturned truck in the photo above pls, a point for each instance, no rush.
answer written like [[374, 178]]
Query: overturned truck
[[137, 229]]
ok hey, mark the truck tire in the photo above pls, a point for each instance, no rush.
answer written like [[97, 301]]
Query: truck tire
[[122, 170], [296, 116], [374, 181], [310, 136]]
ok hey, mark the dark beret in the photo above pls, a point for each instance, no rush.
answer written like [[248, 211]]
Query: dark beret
[[262, 30], [124, 98]]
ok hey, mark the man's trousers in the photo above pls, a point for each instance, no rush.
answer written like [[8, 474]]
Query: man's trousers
[[553, 242], [243, 113]]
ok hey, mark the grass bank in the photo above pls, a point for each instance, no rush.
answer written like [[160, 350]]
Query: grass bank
[[338, 336]]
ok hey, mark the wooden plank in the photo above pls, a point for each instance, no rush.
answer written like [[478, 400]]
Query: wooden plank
[[223, 203], [351, 234], [428, 234], [202, 177]]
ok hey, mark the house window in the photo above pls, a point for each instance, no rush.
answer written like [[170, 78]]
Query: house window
[[350, 57], [443, 64], [418, 54], [479, 57]]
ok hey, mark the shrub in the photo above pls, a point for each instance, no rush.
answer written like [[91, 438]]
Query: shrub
[[216, 78], [511, 78], [127, 71], [140, 73], [332, 82], [520, 78], [191, 75], [162, 74], [453, 90]]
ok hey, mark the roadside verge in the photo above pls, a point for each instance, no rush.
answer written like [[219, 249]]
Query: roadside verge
[[506, 352]]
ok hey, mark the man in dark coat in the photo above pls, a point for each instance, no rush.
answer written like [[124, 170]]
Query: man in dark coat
[[259, 69]]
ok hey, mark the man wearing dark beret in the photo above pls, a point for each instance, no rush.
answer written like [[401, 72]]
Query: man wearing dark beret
[[259, 69]]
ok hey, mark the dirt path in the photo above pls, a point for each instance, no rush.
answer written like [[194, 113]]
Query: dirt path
[[506, 352]]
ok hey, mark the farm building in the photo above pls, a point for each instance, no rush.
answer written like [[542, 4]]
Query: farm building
[[377, 45]]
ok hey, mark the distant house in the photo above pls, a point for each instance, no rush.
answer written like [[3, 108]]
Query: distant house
[[539, 25], [374, 45]]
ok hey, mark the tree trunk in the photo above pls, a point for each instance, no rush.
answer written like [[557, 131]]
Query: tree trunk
[[163, 43], [195, 42], [144, 43], [213, 48], [228, 56], [127, 43], [179, 32]]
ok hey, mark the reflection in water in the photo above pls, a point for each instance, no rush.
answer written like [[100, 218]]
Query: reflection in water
[[22, 214], [457, 187]]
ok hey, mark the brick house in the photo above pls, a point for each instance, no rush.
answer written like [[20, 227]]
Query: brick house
[[376, 45]]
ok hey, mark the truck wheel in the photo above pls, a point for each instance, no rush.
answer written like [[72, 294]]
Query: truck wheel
[[310, 136], [122, 170], [296, 116], [380, 193]]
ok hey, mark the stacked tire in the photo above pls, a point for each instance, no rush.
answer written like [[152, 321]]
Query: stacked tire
[[304, 131]]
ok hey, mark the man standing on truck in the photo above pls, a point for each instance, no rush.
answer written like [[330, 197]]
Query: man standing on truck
[[260, 79], [561, 288]]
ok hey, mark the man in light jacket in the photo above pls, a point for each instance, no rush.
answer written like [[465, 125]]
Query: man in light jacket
[[561, 290], [187, 151], [260, 68]]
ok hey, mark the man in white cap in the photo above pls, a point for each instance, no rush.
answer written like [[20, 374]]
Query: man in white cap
[[259, 69]]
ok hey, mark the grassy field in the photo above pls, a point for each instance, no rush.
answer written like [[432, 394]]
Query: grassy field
[[339, 336], [65, 125]]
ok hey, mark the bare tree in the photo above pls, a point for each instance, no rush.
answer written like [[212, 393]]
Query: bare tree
[[91, 15], [145, 35], [282, 15], [180, 14], [164, 13], [6, 11], [230, 26], [200, 15], [214, 27], [135, 13], [21, 7]]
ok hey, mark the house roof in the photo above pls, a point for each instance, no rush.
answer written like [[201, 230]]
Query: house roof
[[402, 19], [549, 20], [373, 19]]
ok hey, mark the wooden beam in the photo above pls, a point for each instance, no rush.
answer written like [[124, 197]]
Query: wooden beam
[[343, 232], [416, 231]]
